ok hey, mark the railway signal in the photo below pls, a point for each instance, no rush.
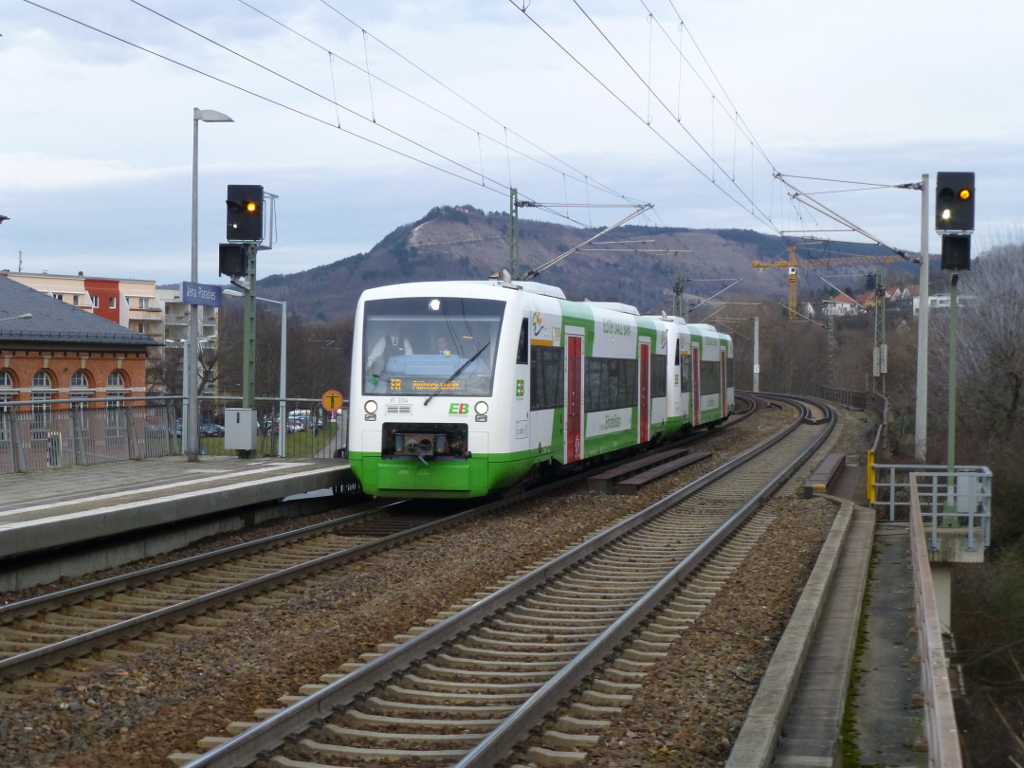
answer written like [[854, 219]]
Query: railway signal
[[245, 212], [954, 202], [956, 252], [954, 217], [234, 260]]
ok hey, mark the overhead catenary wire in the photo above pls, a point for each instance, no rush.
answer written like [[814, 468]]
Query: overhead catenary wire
[[813, 204], [763, 218], [291, 81], [264, 98], [470, 175], [736, 121], [578, 176]]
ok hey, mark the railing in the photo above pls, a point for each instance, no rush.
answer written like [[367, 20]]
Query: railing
[[309, 430], [961, 499], [46, 434], [939, 716], [848, 397]]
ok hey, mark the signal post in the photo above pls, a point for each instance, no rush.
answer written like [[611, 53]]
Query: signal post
[[245, 214], [954, 220]]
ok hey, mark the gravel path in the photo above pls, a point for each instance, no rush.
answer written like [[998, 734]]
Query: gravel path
[[135, 705]]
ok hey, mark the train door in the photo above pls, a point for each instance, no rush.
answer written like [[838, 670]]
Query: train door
[[645, 391], [695, 368], [723, 398], [574, 400]]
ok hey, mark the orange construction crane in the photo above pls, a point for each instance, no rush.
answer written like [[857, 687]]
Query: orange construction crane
[[794, 263]]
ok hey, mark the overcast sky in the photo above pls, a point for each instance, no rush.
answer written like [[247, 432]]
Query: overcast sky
[[362, 116]]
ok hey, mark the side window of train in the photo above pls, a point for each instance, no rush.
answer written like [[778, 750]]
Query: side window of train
[[685, 374], [523, 354], [547, 378], [710, 377], [679, 344], [659, 375]]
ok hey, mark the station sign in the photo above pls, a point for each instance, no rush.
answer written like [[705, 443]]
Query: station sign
[[200, 293]]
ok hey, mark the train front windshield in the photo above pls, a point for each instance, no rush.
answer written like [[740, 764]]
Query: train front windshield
[[428, 345]]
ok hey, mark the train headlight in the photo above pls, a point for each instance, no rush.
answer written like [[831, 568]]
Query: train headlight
[[481, 410], [370, 406]]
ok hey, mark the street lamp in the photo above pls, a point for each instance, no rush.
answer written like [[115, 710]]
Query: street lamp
[[282, 406], [192, 364]]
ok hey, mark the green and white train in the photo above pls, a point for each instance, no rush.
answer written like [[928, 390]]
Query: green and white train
[[460, 389]]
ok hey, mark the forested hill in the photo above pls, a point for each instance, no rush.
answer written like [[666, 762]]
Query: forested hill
[[453, 243]]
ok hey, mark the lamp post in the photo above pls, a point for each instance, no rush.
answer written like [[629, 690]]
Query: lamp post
[[192, 427], [282, 405]]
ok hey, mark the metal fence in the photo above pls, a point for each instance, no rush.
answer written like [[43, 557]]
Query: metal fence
[[46, 434], [939, 716], [959, 499], [850, 398], [309, 430]]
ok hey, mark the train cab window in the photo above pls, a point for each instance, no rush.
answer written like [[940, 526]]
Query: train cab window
[[685, 374], [436, 346], [523, 352]]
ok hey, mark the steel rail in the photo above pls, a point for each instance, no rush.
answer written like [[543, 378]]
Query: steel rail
[[147, 576], [275, 730], [73, 647], [503, 740]]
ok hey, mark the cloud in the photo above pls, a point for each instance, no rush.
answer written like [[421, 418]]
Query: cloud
[[39, 172]]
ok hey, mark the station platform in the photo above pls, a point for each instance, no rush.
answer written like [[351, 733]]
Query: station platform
[[59, 508]]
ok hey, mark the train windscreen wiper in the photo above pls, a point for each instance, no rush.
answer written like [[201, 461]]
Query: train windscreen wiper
[[460, 370]]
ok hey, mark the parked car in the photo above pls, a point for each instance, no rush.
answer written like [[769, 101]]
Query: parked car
[[209, 429]]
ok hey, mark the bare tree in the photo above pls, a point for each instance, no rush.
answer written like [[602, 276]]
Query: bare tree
[[990, 354]]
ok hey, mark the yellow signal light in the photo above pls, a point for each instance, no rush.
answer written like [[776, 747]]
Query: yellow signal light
[[964, 194], [250, 206]]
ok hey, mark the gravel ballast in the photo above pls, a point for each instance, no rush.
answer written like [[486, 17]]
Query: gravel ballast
[[134, 705]]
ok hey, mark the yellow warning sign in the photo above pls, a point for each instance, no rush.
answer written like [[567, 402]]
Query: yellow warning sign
[[332, 400]]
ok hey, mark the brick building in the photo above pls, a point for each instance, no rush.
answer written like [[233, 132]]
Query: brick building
[[140, 306], [61, 352]]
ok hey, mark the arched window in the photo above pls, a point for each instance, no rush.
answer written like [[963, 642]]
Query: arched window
[[116, 392], [7, 394], [7, 391], [42, 393], [80, 389]]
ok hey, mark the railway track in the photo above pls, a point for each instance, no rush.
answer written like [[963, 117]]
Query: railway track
[[562, 643], [44, 631]]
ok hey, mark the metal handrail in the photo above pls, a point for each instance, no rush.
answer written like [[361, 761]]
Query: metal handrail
[[962, 498], [939, 715]]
